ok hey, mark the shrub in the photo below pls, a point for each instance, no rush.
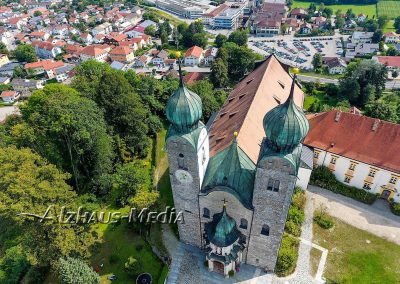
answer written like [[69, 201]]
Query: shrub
[[299, 198], [231, 273], [113, 259], [323, 177], [292, 228], [395, 207], [132, 266], [296, 215], [75, 271], [139, 247], [324, 222], [287, 256]]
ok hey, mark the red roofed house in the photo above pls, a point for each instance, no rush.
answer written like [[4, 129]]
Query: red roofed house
[[361, 151], [46, 49], [43, 66], [122, 54], [391, 37], [93, 52], [9, 96], [193, 56], [39, 36], [392, 62]]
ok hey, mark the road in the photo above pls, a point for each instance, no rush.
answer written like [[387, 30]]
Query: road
[[164, 69]]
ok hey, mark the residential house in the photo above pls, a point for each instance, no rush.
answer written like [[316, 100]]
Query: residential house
[[306, 28], [9, 96], [170, 62], [94, 52], [193, 56], [115, 38], [391, 37], [298, 13], [335, 65], [141, 62], [86, 38], [41, 67], [8, 69], [210, 55], [63, 73], [25, 86], [361, 37], [119, 66], [46, 49], [159, 57], [39, 35], [361, 18], [392, 63], [104, 29], [122, 54]]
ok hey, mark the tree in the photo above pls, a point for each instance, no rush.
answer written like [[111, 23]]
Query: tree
[[317, 62], [3, 48], [69, 131], [382, 21], [75, 271], [14, 265], [397, 24], [20, 72], [312, 8], [240, 60], [25, 53], [205, 90], [220, 39], [219, 74], [382, 110], [150, 30], [339, 23], [377, 36], [371, 25], [391, 51], [395, 74], [132, 266], [239, 37], [151, 16], [37, 13]]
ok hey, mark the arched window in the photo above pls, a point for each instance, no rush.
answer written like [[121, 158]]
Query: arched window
[[206, 213], [181, 161], [265, 230], [243, 223], [224, 181], [276, 185]]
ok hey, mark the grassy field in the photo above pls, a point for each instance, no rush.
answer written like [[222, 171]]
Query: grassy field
[[315, 256], [319, 97], [388, 8], [369, 10], [356, 256], [389, 27]]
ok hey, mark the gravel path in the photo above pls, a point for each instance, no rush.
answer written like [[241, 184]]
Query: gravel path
[[376, 219]]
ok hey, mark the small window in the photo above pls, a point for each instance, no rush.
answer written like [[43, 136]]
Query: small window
[[347, 179], [367, 186], [316, 155], [333, 160], [276, 185], [270, 184], [225, 181], [281, 84], [249, 81], [393, 180], [206, 213], [352, 166], [181, 161], [372, 173], [243, 223], [265, 230], [241, 96]]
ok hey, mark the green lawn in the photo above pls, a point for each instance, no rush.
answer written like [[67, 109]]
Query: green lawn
[[389, 27], [356, 256], [389, 8], [369, 10], [315, 256]]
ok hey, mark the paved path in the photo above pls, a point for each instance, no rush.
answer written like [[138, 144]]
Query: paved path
[[376, 219]]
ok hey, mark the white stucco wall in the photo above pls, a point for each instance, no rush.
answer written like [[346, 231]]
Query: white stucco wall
[[303, 178]]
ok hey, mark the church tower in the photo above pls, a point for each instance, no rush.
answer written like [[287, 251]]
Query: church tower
[[188, 154], [285, 128]]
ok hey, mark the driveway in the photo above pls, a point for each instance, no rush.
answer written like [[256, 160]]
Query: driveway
[[376, 219]]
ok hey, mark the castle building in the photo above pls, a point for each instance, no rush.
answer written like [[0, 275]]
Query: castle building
[[233, 178]]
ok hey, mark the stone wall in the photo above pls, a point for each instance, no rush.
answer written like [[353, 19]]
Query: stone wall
[[270, 208]]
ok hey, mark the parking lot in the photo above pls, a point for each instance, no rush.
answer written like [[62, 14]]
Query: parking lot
[[298, 51]]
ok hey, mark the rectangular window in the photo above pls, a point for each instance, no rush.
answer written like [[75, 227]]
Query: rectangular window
[[372, 172], [276, 185], [347, 179], [316, 154], [367, 186], [352, 166], [393, 180], [270, 184], [333, 160]]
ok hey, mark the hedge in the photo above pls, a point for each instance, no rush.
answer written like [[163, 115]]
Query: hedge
[[395, 207], [323, 177], [289, 249]]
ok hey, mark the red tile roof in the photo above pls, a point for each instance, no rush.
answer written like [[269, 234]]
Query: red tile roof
[[244, 110], [121, 50], [43, 45], [194, 51], [393, 61], [361, 138], [191, 77], [6, 94], [45, 64], [92, 50]]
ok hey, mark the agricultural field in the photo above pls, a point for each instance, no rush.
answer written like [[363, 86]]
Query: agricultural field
[[389, 8], [369, 10]]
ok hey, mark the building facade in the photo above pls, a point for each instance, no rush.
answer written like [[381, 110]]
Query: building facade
[[249, 156]]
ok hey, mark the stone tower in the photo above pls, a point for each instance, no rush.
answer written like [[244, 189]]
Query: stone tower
[[285, 128], [188, 154]]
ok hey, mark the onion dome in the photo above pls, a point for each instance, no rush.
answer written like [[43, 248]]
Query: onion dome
[[222, 231], [286, 125], [184, 108]]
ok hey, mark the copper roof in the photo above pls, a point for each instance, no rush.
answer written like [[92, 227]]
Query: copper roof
[[263, 89], [365, 139]]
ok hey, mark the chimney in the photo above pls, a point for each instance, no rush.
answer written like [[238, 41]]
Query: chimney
[[375, 125], [337, 117]]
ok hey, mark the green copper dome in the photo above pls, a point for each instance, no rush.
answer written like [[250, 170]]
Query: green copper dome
[[285, 125], [222, 231], [184, 109]]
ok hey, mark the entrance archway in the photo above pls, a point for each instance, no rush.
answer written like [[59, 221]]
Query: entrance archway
[[219, 267], [385, 194]]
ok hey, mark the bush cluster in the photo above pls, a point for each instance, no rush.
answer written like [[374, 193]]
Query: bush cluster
[[288, 252], [395, 207], [323, 177], [287, 256], [324, 221]]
